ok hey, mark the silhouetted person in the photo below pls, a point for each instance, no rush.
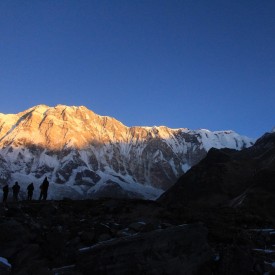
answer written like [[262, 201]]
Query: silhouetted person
[[15, 190], [5, 194], [30, 189], [44, 189]]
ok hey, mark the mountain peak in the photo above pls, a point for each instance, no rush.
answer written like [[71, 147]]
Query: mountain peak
[[39, 108], [91, 153], [42, 108]]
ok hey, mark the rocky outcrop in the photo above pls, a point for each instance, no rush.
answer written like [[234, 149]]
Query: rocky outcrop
[[176, 250]]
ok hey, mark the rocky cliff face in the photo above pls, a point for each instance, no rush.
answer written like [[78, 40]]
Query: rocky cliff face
[[87, 155]]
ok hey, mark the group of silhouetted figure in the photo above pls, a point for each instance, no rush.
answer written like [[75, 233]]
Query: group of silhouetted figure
[[16, 189]]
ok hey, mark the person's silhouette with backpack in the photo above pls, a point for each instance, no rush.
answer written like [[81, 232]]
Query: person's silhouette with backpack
[[44, 189], [15, 190], [30, 189]]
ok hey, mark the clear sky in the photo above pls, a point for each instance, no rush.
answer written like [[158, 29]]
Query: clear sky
[[189, 63]]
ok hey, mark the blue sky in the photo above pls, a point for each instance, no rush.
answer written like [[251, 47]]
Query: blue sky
[[190, 63]]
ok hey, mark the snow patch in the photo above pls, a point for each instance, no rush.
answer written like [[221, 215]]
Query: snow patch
[[185, 167], [5, 262]]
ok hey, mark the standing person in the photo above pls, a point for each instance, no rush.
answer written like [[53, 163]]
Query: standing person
[[15, 190], [5, 194], [44, 189], [30, 189]]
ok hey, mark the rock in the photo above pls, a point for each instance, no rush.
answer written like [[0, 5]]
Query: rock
[[48, 210], [137, 226], [30, 261], [54, 245], [87, 237], [104, 237], [66, 270], [101, 229], [30, 252], [13, 236], [125, 232], [5, 266], [238, 261], [176, 250], [36, 268]]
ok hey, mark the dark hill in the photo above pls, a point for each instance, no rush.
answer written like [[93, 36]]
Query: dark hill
[[228, 178]]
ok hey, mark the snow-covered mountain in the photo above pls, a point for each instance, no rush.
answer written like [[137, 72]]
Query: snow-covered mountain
[[87, 155]]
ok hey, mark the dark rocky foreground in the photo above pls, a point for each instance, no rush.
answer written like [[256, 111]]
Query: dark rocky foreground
[[99, 237], [110, 236]]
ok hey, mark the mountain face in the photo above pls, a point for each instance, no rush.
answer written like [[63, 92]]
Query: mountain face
[[87, 155]]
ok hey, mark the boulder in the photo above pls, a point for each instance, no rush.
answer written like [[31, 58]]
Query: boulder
[[176, 250]]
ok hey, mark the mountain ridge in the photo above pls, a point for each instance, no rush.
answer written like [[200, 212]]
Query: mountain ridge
[[94, 154]]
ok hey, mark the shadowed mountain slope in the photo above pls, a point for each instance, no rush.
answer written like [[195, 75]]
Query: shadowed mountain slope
[[229, 178]]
